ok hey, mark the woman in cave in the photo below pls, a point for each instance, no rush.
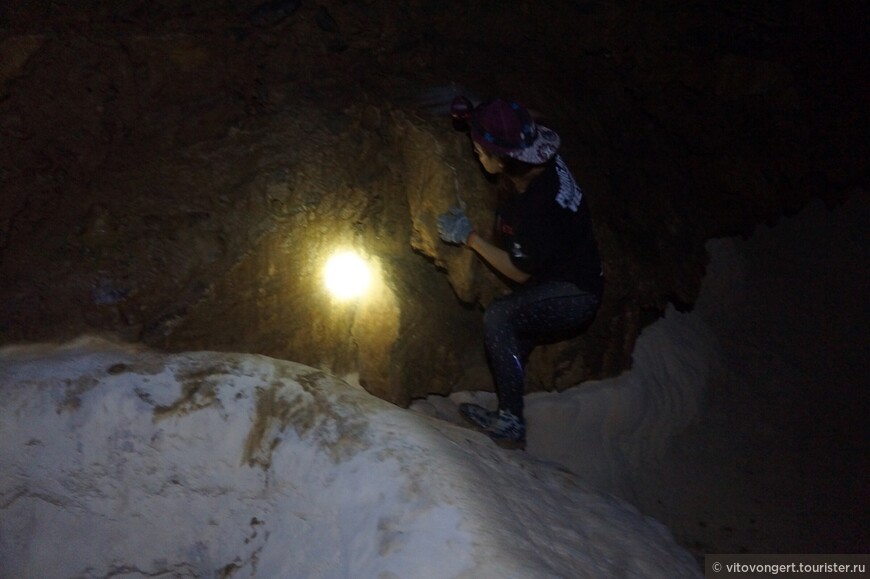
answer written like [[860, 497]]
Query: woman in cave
[[543, 244]]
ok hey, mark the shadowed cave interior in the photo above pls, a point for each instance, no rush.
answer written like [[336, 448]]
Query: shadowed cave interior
[[177, 173]]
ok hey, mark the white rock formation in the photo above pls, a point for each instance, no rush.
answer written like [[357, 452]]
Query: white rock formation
[[118, 462]]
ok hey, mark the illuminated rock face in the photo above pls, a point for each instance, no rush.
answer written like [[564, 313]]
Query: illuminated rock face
[[199, 169], [409, 328], [347, 276]]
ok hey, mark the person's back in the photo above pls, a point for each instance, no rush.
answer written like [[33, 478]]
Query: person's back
[[548, 230]]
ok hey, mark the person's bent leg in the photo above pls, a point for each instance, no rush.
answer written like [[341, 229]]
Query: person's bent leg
[[515, 323]]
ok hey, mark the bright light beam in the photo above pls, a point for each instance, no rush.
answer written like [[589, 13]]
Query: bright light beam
[[346, 275]]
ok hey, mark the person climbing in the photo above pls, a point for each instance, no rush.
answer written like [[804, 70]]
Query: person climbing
[[543, 244]]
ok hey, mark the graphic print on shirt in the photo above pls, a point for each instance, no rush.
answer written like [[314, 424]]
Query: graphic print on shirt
[[517, 251], [569, 195]]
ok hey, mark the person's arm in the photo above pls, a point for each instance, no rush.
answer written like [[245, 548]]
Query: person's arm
[[496, 257]]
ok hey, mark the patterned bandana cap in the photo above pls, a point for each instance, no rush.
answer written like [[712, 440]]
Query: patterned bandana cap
[[507, 128]]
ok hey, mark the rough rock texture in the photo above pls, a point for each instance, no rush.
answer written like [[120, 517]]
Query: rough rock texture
[[118, 462], [176, 172]]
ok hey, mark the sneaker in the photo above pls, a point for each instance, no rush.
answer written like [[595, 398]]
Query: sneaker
[[478, 415], [508, 430]]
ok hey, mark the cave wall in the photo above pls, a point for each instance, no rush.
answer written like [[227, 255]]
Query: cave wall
[[176, 172]]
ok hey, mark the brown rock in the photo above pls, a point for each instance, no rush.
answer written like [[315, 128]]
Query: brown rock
[[15, 51]]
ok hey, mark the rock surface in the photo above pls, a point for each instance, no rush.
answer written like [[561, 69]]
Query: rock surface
[[176, 172], [117, 461]]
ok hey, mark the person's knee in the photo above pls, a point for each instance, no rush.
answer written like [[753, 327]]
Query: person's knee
[[497, 316]]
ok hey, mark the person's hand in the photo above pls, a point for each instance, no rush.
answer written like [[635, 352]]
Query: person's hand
[[454, 226]]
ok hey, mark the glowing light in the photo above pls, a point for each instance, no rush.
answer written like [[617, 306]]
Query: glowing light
[[346, 275]]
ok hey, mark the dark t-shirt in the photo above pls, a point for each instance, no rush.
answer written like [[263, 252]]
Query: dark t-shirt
[[547, 230]]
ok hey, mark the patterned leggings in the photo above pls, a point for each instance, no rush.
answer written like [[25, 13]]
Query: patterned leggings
[[516, 323]]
